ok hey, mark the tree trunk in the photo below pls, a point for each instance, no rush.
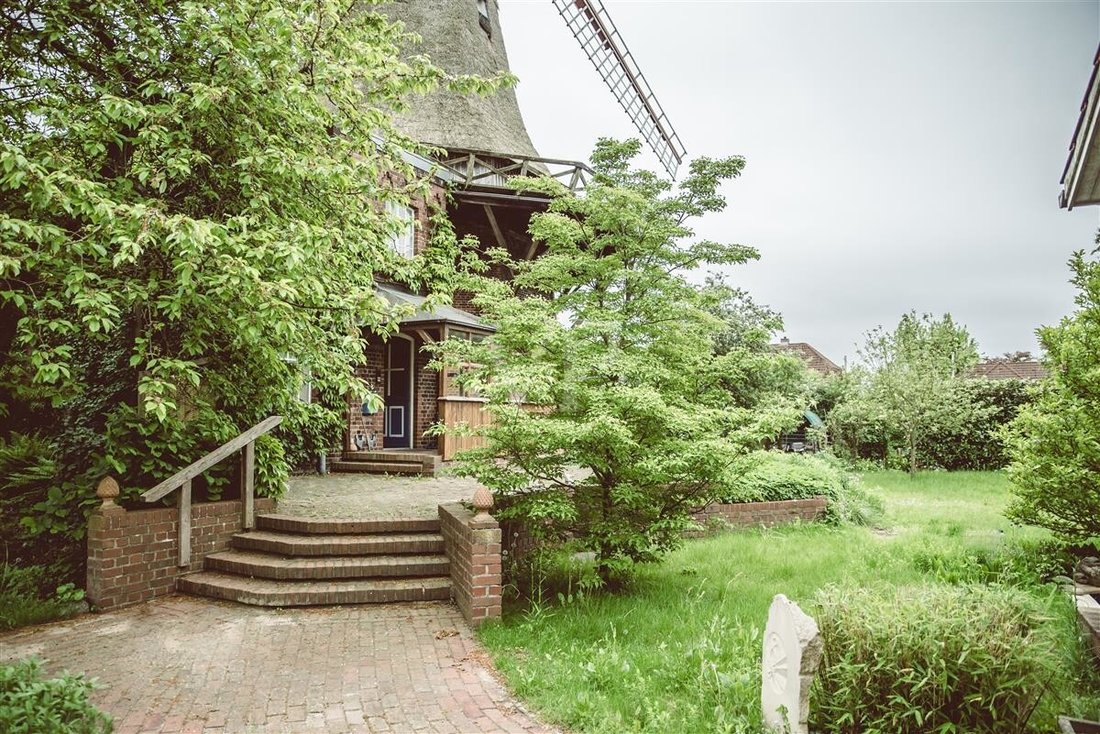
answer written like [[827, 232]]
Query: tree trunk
[[912, 454]]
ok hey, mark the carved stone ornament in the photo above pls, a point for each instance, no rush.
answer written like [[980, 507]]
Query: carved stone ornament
[[483, 501], [792, 653], [107, 490]]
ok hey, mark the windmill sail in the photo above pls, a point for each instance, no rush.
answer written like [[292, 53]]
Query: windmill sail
[[593, 29]]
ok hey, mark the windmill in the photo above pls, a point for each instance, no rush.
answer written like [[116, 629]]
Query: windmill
[[484, 142], [464, 37]]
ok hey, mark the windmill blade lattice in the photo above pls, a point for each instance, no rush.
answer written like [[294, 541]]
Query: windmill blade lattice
[[593, 29]]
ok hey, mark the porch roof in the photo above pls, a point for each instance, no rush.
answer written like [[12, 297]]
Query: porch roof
[[423, 315]]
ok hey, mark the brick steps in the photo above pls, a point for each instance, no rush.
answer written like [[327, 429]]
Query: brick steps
[[265, 565], [313, 526], [338, 545], [377, 467], [389, 462], [295, 561], [274, 593]]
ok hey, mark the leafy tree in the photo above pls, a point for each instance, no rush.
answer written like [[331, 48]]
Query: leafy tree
[[1054, 442], [757, 372], [909, 385], [612, 412], [976, 442], [189, 194]]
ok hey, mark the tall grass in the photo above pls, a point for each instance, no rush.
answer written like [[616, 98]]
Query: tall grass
[[681, 651]]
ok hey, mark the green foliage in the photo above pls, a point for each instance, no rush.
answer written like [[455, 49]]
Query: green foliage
[[191, 215], [629, 421], [772, 476], [308, 430], [30, 704], [1054, 442], [30, 595], [910, 385], [931, 659], [41, 514], [976, 443]]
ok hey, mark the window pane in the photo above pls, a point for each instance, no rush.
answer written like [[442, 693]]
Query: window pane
[[403, 241]]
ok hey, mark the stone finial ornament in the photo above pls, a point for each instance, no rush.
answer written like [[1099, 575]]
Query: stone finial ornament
[[792, 653], [107, 490], [483, 502]]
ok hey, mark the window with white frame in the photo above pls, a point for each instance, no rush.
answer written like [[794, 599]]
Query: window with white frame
[[403, 240], [304, 386]]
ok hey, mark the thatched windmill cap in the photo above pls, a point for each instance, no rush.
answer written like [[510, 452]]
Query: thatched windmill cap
[[455, 39]]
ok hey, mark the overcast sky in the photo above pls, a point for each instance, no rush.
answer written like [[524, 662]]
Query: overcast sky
[[900, 156]]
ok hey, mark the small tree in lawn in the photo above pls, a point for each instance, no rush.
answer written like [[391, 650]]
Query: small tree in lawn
[[1054, 442], [911, 383], [612, 420]]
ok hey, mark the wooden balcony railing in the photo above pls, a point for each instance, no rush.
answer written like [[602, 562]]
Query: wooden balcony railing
[[473, 168], [246, 444]]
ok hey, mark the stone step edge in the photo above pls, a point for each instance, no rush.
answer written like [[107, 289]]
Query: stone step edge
[[283, 568], [338, 545], [313, 593], [345, 526], [377, 467]]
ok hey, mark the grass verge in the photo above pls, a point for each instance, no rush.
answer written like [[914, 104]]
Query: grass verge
[[681, 651]]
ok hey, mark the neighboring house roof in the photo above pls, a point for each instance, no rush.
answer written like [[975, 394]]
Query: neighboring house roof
[[1081, 177], [423, 315], [814, 359], [1003, 370]]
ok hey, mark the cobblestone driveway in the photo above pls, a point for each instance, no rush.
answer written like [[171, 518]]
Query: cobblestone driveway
[[190, 665]]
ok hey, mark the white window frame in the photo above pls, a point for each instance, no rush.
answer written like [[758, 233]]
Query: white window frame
[[304, 393], [403, 240]]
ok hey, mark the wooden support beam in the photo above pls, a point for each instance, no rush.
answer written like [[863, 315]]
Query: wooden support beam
[[248, 486], [496, 227], [185, 523]]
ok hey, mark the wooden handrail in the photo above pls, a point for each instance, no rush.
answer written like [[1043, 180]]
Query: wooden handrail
[[198, 467], [246, 444]]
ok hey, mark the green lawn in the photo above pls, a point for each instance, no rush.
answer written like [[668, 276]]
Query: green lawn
[[681, 651]]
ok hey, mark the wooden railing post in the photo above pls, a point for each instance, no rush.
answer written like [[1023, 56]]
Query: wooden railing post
[[185, 523], [248, 485], [246, 444]]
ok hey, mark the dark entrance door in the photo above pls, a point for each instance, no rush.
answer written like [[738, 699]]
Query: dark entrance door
[[399, 376]]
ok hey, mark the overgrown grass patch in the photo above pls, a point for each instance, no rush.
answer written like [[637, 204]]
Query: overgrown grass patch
[[681, 650], [24, 598]]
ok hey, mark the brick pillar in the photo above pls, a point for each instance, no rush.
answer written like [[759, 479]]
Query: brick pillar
[[104, 535], [473, 548]]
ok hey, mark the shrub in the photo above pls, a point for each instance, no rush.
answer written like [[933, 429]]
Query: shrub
[[931, 659], [31, 705], [31, 596], [1053, 441], [772, 476]]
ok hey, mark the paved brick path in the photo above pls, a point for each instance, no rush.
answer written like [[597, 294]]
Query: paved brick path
[[372, 496], [191, 665]]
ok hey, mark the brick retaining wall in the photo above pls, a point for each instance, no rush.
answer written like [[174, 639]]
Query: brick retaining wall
[[749, 514], [132, 554], [473, 548]]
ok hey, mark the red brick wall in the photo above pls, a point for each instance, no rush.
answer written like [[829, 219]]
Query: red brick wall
[[749, 514], [427, 400], [473, 548], [373, 374], [132, 555]]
